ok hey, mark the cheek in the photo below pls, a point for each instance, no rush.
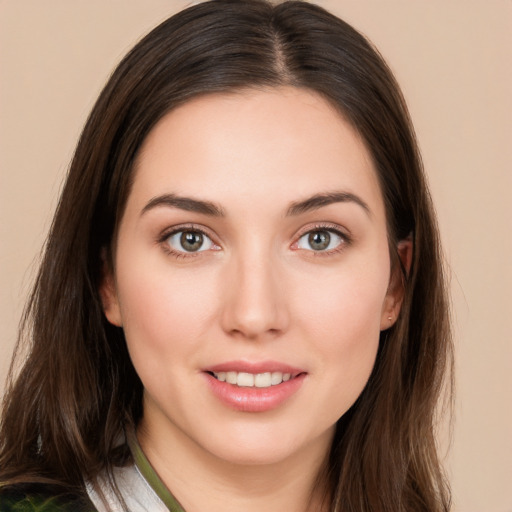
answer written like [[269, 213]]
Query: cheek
[[347, 303], [347, 331], [165, 314], [343, 320]]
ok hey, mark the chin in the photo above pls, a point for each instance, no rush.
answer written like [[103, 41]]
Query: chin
[[265, 445]]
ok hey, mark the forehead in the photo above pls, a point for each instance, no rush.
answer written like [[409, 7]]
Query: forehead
[[281, 143]]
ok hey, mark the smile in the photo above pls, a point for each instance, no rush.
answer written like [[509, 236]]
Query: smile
[[254, 387], [249, 380]]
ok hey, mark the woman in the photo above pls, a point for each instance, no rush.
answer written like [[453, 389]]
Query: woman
[[241, 303]]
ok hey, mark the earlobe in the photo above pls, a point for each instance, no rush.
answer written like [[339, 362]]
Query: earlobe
[[396, 288], [108, 295]]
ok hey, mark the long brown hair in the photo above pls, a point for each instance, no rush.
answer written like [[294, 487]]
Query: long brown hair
[[66, 409]]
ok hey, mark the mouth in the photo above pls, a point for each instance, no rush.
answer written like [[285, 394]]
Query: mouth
[[253, 380], [254, 387]]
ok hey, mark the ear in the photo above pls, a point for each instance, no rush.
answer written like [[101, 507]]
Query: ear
[[395, 294], [108, 293]]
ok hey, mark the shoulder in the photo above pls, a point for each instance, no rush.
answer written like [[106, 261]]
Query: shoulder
[[42, 498]]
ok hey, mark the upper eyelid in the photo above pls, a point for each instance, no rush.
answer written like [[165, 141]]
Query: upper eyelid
[[166, 233], [346, 237], [317, 226], [324, 226]]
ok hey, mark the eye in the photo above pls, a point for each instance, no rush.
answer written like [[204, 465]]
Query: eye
[[320, 240], [189, 240]]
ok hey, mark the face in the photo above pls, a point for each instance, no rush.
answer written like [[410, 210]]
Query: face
[[252, 273]]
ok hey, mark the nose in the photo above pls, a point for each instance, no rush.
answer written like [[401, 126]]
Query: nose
[[254, 305]]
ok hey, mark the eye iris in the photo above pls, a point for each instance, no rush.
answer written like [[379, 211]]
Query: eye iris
[[319, 240], [191, 240]]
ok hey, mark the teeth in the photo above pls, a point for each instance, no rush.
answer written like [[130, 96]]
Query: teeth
[[231, 377], [263, 380], [276, 378], [245, 380], [250, 380]]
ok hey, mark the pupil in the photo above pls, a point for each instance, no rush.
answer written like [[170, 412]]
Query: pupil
[[191, 241], [319, 240]]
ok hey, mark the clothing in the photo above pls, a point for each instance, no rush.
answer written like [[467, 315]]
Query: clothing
[[139, 486], [42, 498]]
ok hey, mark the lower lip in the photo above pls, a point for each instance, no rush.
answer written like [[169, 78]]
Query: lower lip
[[254, 399]]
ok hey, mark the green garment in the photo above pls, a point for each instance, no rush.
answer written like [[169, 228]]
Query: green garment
[[149, 474]]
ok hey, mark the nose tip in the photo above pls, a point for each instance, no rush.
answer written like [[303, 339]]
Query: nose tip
[[255, 304]]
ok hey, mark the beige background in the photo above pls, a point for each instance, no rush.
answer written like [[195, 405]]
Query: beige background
[[454, 61]]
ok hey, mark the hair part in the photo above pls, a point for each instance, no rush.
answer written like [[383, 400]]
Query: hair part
[[77, 391]]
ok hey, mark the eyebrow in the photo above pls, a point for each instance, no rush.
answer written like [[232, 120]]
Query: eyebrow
[[184, 203], [320, 200], [296, 208]]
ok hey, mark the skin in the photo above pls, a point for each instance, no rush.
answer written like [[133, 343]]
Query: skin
[[259, 291]]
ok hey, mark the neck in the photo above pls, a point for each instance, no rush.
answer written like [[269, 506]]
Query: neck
[[202, 481]]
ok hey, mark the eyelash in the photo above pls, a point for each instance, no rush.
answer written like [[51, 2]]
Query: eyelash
[[164, 240], [345, 240]]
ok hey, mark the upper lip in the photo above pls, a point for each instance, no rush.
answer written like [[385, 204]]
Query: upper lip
[[254, 367]]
